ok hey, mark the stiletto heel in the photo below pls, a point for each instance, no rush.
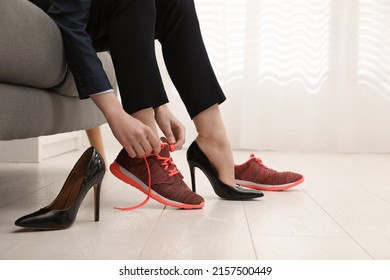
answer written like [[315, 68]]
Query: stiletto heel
[[192, 172], [88, 172], [96, 192], [196, 158]]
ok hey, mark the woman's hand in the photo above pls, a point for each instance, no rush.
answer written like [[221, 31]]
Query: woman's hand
[[137, 138], [173, 130]]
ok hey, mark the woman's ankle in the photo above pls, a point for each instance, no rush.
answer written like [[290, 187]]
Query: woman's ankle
[[219, 152], [220, 142]]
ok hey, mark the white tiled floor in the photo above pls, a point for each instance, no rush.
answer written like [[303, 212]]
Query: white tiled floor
[[341, 211]]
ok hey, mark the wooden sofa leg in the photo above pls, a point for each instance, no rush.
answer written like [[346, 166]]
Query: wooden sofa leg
[[95, 139]]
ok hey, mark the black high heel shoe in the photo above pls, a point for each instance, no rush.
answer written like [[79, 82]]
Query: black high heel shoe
[[196, 158], [61, 213]]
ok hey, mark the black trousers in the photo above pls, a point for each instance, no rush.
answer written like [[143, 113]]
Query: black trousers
[[129, 28]]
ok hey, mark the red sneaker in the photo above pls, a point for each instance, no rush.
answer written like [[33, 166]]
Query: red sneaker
[[255, 175], [166, 183]]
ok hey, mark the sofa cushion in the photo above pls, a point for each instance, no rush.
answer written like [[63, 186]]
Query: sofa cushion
[[31, 50], [28, 112]]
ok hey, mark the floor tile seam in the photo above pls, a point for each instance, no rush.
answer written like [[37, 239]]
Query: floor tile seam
[[250, 232], [151, 233], [340, 226]]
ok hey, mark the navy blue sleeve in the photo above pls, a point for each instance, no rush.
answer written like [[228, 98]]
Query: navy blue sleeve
[[72, 17]]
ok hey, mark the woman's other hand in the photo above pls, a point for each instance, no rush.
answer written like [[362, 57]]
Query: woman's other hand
[[172, 128]]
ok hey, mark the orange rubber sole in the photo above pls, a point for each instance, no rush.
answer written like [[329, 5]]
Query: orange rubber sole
[[261, 187]]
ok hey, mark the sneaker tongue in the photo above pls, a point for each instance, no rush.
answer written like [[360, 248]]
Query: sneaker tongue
[[164, 150]]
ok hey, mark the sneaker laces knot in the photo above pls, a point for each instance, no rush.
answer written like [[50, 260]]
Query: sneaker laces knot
[[167, 162]]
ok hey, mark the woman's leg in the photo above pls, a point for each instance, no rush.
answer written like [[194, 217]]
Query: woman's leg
[[130, 32], [190, 70], [213, 141], [185, 55], [126, 28], [147, 117]]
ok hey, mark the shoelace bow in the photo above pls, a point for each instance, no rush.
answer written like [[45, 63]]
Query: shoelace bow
[[167, 162]]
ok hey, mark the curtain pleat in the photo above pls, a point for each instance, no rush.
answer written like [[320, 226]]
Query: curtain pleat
[[300, 75]]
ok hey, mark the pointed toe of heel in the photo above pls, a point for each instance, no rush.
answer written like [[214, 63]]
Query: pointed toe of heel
[[45, 219], [243, 193]]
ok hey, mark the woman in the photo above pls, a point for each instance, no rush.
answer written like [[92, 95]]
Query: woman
[[128, 28]]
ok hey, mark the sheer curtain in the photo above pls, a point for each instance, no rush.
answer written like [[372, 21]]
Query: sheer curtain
[[300, 75]]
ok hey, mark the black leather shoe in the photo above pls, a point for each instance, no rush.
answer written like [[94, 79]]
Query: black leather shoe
[[196, 158], [61, 213]]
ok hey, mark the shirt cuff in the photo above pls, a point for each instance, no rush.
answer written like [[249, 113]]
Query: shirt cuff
[[103, 92]]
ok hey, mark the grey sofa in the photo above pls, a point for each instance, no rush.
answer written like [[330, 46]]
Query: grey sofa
[[37, 92]]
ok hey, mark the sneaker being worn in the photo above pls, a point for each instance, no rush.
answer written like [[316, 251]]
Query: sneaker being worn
[[255, 175], [166, 182]]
